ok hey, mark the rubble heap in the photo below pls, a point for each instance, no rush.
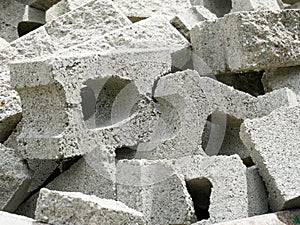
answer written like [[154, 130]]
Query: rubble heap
[[150, 112]]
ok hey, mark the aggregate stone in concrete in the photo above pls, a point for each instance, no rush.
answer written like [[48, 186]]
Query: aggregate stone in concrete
[[278, 218], [246, 41], [227, 175], [88, 104], [15, 179], [273, 141], [94, 174], [257, 193], [74, 208], [187, 100], [138, 10], [9, 218], [186, 20], [154, 188], [254, 5]]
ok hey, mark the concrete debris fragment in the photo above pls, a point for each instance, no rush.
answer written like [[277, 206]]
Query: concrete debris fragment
[[39, 4], [254, 5], [154, 188], [14, 177], [273, 141], [8, 218], [185, 21], [56, 207], [246, 41]]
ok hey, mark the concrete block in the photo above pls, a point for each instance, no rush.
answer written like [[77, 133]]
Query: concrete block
[[94, 174], [39, 4], [254, 5], [272, 141], [187, 100], [231, 44], [9, 218], [28, 207], [57, 207], [3, 43], [282, 77], [294, 6], [63, 7], [290, 1], [284, 217], [185, 21], [257, 193], [10, 108], [15, 179], [220, 8], [138, 10], [227, 181], [156, 190], [116, 120]]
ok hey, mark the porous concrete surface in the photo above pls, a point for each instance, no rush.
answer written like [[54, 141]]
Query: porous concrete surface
[[156, 190], [273, 141], [246, 41], [56, 207], [15, 179], [228, 198], [8, 218]]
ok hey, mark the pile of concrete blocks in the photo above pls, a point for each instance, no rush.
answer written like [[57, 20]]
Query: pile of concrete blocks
[[149, 112]]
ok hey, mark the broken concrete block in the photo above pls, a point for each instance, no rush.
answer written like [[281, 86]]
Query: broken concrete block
[[17, 19], [282, 77], [257, 193], [3, 43], [10, 108], [254, 5], [28, 207], [186, 102], [230, 44], [97, 169], [218, 186], [63, 7], [284, 217], [294, 6], [8, 218], [273, 141], [56, 207], [39, 4], [220, 8], [290, 1], [15, 179], [138, 10], [156, 190], [185, 21]]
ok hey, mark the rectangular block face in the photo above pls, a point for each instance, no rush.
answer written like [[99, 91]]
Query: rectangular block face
[[274, 143], [75, 208], [247, 41]]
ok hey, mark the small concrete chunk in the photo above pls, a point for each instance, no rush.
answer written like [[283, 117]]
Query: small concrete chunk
[[14, 177], [39, 4], [257, 193], [94, 174], [8, 218], [227, 174], [75, 208], [274, 141], [185, 21], [247, 41], [254, 5], [220, 8], [154, 188], [279, 218]]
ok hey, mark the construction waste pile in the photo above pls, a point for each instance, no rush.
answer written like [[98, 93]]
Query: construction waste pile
[[149, 112]]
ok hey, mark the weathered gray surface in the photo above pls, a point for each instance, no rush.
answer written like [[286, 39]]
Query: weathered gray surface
[[257, 193], [186, 20], [156, 190], [15, 179], [246, 41], [227, 174], [254, 5], [94, 174], [75, 208], [273, 141], [8, 218]]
